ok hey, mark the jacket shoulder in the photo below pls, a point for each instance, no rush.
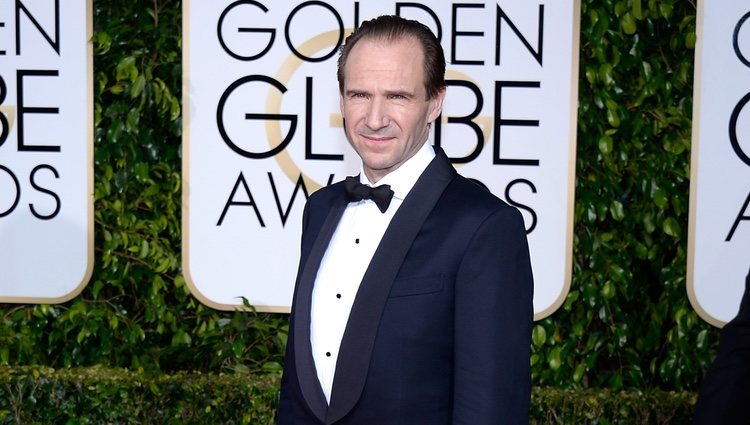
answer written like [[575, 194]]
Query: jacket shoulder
[[326, 195], [471, 195]]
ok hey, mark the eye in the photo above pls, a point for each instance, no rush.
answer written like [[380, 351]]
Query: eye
[[400, 97]]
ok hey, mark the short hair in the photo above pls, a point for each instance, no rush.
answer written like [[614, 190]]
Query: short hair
[[390, 28]]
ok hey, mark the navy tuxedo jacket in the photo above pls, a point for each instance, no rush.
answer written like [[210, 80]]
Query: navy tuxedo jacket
[[440, 329]]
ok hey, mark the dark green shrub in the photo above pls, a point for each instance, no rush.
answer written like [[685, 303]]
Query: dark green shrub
[[115, 396], [603, 406]]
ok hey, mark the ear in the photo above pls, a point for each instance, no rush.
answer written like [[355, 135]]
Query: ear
[[436, 105], [341, 104]]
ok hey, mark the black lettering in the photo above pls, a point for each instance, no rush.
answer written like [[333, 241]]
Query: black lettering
[[17, 198], [23, 110], [743, 215], [269, 31], [733, 129], [500, 122], [455, 34], [356, 14], [502, 16], [400, 6], [282, 117], [340, 29], [250, 202], [467, 120], [3, 119], [736, 42], [54, 43], [284, 215], [519, 205], [44, 190], [308, 127]]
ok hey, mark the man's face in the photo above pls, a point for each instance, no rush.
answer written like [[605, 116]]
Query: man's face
[[385, 104]]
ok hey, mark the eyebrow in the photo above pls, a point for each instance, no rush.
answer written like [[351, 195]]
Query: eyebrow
[[355, 91], [388, 93], [403, 93]]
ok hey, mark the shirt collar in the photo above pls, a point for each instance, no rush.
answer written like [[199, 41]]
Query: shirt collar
[[405, 177]]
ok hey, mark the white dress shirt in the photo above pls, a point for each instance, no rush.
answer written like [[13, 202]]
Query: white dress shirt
[[349, 252]]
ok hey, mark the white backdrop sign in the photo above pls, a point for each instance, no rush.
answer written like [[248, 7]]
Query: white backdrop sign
[[719, 241], [262, 129], [46, 159]]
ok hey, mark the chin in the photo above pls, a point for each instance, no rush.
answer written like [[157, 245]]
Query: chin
[[373, 165]]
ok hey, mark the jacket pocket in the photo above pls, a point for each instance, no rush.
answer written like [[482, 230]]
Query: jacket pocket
[[416, 286]]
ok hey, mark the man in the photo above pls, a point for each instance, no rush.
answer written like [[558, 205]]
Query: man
[[725, 392], [417, 311]]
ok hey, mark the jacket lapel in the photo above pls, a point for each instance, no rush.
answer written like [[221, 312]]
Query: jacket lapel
[[364, 319], [305, 365]]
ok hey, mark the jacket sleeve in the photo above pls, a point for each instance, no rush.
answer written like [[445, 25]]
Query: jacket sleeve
[[492, 324]]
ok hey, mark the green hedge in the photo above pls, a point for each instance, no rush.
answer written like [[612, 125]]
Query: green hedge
[[606, 407], [32, 395], [626, 323], [114, 396]]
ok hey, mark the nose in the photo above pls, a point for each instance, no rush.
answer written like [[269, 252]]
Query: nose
[[377, 114]]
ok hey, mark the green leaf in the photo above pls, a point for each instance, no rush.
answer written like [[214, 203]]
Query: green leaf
[[613, 118], [126, 69], [690, 39], [617, 210], [665, 8], [608, 290], [637, 9], [137, 87], [606, 74], [538, 335], [554, 359], [628, 24], [579, 372], [660, 198], [671, 227], [606, 145], [144, 249], [701, 339]]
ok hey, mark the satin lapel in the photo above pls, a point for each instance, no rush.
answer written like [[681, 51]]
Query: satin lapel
[[307, 375], [364, 319]]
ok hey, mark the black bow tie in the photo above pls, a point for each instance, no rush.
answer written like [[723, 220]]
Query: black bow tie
[[356, 191]]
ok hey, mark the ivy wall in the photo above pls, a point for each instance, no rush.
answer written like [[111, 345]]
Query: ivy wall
[[626, 323]]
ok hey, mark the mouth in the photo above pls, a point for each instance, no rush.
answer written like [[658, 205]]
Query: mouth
[[376, 143], [376, 138]]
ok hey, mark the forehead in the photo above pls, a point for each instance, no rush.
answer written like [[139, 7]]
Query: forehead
[[402, 57]]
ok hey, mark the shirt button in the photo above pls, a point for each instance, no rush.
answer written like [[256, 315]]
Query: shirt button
[[338, 295], [356, 240], [328, 354]]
